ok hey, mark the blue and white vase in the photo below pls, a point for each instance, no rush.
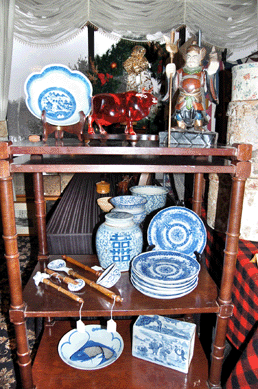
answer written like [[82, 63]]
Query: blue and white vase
[[118, 240]]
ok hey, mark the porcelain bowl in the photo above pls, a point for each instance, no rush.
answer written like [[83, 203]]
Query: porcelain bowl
[[156, 196], [131, 204], [109, 277], [61, 92]]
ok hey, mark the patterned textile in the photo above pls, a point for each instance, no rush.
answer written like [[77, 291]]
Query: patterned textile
[[214, 250], [245, 286], [8, 364], [245, 373], [244, 296], [242, 326], [214, 253]]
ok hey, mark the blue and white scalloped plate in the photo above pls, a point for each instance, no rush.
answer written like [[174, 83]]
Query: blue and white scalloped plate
[[61, 92], [179, 229], [93, 349]]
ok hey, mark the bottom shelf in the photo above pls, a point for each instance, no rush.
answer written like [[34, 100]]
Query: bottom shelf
[[49, 371]]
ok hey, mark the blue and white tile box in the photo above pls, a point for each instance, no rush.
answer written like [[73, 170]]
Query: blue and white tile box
[[164, 341]]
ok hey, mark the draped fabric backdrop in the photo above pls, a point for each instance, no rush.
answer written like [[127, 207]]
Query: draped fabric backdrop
[[6, 47], [224, 23], [230, 24]]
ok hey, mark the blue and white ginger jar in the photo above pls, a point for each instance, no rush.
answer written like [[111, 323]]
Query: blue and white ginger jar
[[118, 240]]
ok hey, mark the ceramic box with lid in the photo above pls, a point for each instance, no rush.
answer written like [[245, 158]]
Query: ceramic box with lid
[[164, 341]]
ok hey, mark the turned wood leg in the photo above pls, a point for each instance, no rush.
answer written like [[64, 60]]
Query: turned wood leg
[[17, 310], [40, 213], [198, 192], [225, 302]]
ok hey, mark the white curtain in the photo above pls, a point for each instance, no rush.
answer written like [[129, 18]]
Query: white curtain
[[7, 8], [227, 24]]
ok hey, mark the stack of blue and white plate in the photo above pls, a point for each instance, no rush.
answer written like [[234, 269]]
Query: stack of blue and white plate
[[164, 274], [171, 269]]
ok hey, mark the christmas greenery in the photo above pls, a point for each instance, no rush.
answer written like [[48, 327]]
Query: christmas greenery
[[107, 74]]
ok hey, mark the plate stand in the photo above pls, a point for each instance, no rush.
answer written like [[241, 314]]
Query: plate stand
[[76, 128]]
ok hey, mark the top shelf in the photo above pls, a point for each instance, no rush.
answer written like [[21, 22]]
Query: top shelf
[[143, 147], [146, 156], [113, 163]]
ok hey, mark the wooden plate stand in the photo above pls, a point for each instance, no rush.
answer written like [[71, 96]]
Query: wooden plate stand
[[76, 128]]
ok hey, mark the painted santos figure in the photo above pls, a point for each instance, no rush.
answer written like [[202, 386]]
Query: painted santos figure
[[194, 82]]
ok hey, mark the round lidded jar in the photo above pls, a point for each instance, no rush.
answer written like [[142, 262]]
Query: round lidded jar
[[118, 240], [103, 187]]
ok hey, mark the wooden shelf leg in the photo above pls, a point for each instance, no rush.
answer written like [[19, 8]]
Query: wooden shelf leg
[[23, 351], [230, 257], [13, 267], [40, 213], [198, 193]]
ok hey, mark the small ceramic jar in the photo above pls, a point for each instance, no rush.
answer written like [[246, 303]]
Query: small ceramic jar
[[103, 187], [118, 240]]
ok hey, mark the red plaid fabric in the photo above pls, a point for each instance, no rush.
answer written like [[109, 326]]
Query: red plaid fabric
[[243, 325], [244, 295], [245, 373], [214, 253], [245, 286]]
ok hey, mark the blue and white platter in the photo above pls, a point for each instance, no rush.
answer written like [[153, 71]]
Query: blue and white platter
[[94, 349], [179, 229], [165, 267], [61, 92]]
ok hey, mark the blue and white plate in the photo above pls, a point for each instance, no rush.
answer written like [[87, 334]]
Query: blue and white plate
[[94, 349], [150, 293], [174, 288], [179, 229], [61, 92], [165, 267]]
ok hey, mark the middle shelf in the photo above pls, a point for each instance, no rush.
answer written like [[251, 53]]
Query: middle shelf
[[44, 301]]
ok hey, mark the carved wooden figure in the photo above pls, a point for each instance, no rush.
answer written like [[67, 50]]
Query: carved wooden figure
[[194, 82]]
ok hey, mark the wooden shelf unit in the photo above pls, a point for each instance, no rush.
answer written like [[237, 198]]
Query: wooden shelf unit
[[127, 371]]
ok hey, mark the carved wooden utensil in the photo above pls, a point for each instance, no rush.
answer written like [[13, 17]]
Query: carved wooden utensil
[[67, 280], [79, 264], [42, 277], [61, 266]]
